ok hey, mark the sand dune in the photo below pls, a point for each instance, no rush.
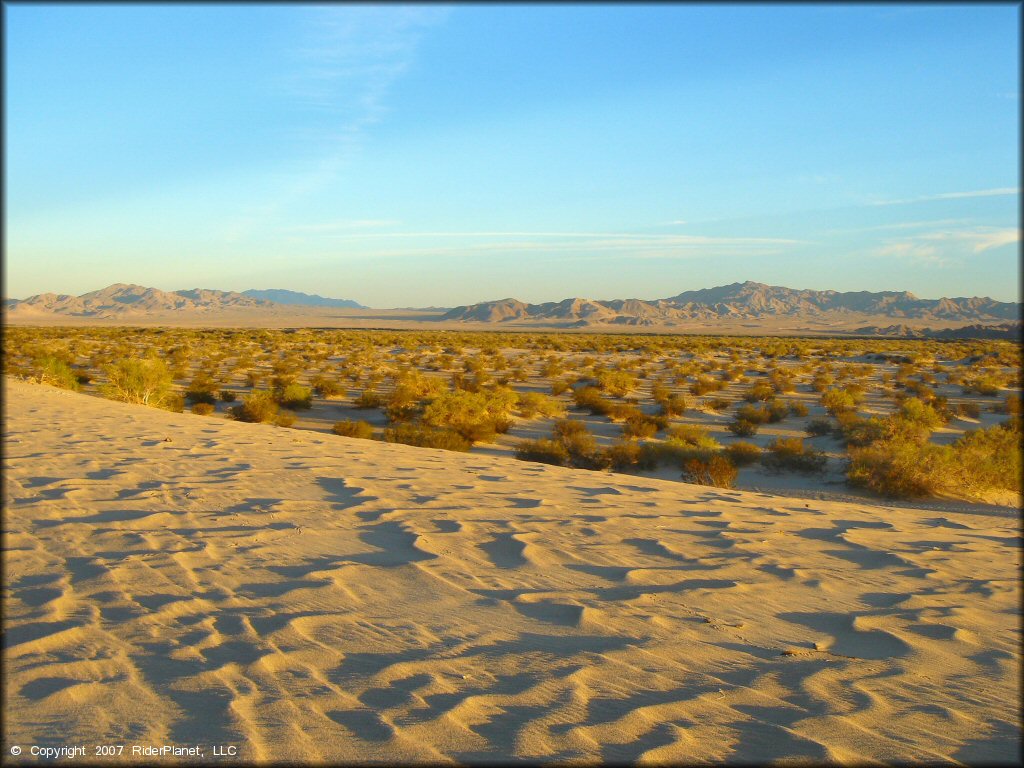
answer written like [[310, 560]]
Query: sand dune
[[185, 581]]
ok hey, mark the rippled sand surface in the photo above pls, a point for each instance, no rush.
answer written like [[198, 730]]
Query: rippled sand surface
[[171, 579]]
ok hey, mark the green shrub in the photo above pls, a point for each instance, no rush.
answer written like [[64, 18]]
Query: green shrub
[[227, 396], [760, 392], [838, 401], [142, 380], [530, 404], [790, 453], [672, 405], [559, 386], [969, 410], [860, 432], [203, 389], [591, 399], [818, 427], [368, 398], [295, 397], [901, 468], [642, 425], [349, 428], [743, 427], [259, 406], [426, 437], [543, 451], [989, 459], [626, 455], [777, 411], [797, 408], [203, 409], [57, 373], [716, 404], [477, 416], [327, 387], [918, 412], [715, 470], [616, 383], [757, 415], [285, 419], [743, 454]]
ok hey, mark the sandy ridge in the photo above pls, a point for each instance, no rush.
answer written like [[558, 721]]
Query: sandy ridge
[[172, 579]]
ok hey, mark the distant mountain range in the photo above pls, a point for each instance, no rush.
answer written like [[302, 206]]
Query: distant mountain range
[[747, 300], [282, 296], [741, 307], [126, 300]]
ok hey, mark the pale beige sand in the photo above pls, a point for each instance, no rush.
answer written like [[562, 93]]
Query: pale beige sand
[[176, 580]]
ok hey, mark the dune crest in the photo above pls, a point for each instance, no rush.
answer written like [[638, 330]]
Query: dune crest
[[178, 580]]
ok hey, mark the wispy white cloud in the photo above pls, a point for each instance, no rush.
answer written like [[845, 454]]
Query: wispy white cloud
[[342, 72], [997, 192], [947, 247], [571, 245], [342, 225]]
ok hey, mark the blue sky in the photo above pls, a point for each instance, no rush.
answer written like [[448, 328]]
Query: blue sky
[[438, 155]]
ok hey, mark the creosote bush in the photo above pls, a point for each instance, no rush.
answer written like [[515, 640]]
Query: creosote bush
[[259, 406], [349, 428], [426, 437], [717, 470], [203, 409], [743, 453], [790, 453], [142, 380]]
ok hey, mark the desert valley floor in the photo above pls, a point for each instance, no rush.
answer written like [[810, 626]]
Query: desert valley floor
[[177, 580]]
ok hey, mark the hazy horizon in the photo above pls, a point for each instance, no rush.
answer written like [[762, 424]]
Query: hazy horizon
[[488, 299], [446, 155]]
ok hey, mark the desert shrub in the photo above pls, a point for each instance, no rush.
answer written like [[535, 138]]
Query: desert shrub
[[838, 401], [616, 383], [782, 381], [227, 396], [559, 386], [797, 408], [203, 389], [969, 410], [253, 379], [790, 453], [295, 397], [716, 403], [327, 387], [543, 451], [860, 432], [642, 425], [743, 453], [625, 455], [984, 383], [591, 399], [760, 392], [705, 384], [818, 427], [900, 468], [714, 470], [203, 409], [743, 427], [755, 414], [368, 398], [142, 380], [259, 406], [672, 405], [580, 444], [349, 428], [56, 372], [821, 381], [285, 419], [777, 411], [989, 459], [476, 416], [918, 412], [426, 437], [530, 404]]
